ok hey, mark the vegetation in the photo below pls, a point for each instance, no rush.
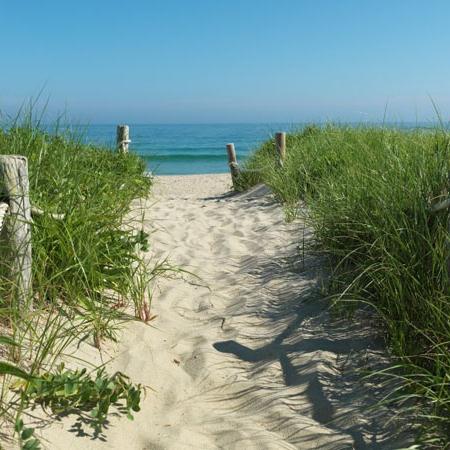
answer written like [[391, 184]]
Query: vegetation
[[87, 271], [69, 391], [368, 193]]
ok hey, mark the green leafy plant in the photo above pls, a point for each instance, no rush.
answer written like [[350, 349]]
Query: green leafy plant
[[67, 391], [73, 391], [26, 436]]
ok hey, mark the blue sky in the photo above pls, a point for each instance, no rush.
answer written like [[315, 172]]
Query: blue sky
[[227, 60]]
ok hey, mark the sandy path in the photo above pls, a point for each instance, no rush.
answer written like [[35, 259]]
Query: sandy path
[[254, 361]]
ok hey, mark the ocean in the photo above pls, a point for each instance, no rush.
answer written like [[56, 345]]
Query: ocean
[[194, 149], [188, 149]]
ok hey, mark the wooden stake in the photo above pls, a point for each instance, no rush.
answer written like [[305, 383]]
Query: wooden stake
[[232, 163], [123, 138], [448, 247], [280, 140], [14, 189]]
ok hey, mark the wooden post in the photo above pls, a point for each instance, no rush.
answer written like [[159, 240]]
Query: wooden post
[[280, 141], [14, 189], [232, 163], [123, 138], [448, 247], [445, 205]]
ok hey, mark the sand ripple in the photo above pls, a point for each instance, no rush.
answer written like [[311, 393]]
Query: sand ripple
[[254, 360]]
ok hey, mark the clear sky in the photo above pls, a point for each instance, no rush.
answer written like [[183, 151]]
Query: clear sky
[[227, 60]]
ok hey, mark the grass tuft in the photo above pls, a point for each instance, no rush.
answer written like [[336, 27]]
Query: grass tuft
[[88, 270]]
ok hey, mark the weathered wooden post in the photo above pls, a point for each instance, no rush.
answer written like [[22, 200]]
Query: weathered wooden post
[[448, 246], [123, 138], [14, 190], [232, 163], [437, 207], [4, 207], [280, 141]]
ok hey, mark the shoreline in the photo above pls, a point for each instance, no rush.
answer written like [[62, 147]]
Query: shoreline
[[192, 185]]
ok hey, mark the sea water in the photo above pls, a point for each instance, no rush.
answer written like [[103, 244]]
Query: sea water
[[177, 149], [188, 149]]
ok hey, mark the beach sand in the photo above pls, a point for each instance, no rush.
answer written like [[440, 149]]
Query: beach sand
[[247, 356]]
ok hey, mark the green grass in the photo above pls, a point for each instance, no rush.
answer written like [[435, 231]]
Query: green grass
[[367, 193], [88, 268]]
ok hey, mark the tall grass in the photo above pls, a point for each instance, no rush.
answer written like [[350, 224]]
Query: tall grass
[[87, 268], [368, 193]]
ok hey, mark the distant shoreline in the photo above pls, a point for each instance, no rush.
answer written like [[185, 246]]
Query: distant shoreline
[[192, 185]]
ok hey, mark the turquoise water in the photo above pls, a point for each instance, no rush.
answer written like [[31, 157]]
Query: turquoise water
[[188, 149]]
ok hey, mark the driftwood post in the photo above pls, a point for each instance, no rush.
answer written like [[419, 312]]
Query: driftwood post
[[444, 205], [280, 141], [123, 138], [14, 190], [232, 163], [448, 247]]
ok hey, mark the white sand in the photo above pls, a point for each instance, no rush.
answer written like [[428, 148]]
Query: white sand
[[254, 361]]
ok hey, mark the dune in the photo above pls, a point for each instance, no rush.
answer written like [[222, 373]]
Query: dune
[[247, 356]]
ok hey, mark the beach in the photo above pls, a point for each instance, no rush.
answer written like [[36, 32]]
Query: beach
[[243, 352], [225, 226]]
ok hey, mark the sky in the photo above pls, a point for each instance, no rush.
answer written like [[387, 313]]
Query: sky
[[227, 61]]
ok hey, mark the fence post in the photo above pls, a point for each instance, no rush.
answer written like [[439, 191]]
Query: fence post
[[232, 163], [123, 138], [280, 141], [14, 189], [448, 246]]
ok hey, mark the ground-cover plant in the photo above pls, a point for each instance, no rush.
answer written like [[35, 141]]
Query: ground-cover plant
[[67, 391], [87, 269], [368, 193]]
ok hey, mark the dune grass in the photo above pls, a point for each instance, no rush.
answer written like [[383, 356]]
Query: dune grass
[[88, 270], [367, 194]]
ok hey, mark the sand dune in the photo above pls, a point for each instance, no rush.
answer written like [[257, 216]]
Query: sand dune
[[250, 357]]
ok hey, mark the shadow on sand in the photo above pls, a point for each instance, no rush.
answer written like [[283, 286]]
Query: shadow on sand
[[324, 357]]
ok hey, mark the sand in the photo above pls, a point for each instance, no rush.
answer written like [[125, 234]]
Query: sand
[[248, 356]]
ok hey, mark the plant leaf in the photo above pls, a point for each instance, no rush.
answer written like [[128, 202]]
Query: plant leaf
[[27, 433], [32, 444], [7, 340], [19, 425], [11, 369]]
